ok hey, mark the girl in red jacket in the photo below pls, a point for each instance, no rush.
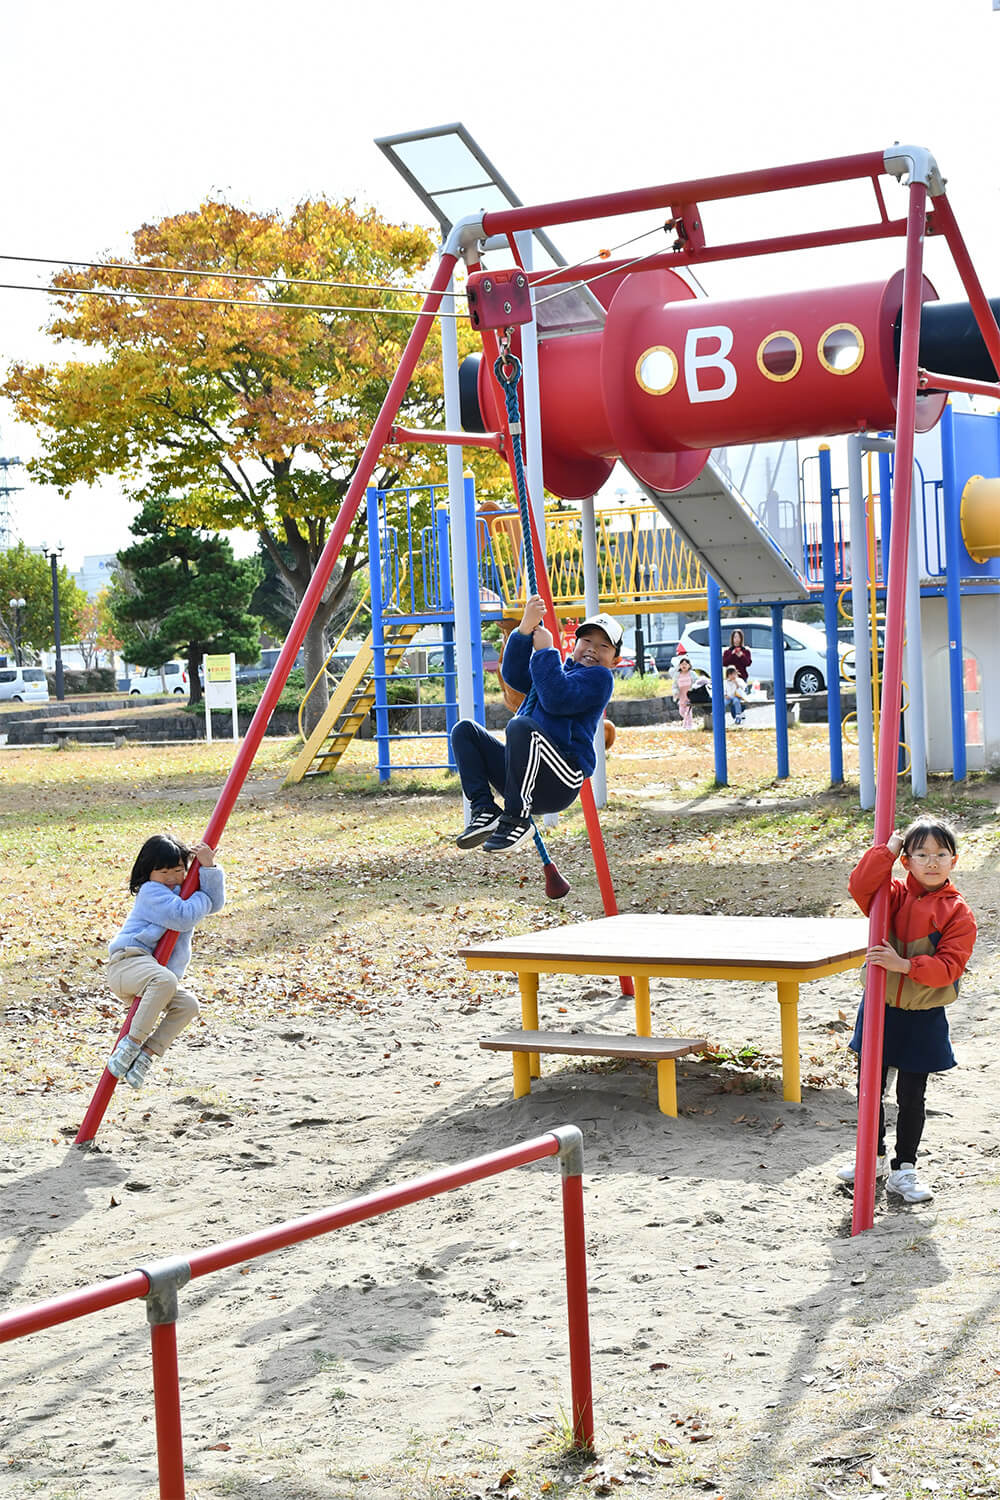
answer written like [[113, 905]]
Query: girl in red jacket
[[929, 943]]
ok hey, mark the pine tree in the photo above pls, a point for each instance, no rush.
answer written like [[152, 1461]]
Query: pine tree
[[183, 594]]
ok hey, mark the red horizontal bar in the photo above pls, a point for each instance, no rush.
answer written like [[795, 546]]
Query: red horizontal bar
[[698, 190], [106, 1294], [672, 259], [494, 440], [928, 380], [15, 1325], [356, 1210]]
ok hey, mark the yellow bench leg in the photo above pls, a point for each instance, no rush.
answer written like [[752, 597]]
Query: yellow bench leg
[[666, 1085], [643, 1015], [522, 1074], [788, 999], [528, 985]]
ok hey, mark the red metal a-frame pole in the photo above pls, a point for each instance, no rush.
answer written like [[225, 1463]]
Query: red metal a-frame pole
[[311, 599], [870, 1075], [870, 1072]]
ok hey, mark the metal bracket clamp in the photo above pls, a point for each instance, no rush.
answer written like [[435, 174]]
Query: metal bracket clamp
[[570, 1138], [165, 1277], [914, 164]]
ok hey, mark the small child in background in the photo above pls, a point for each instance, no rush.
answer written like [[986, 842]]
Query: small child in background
[[164, 1007], [929, 943], [732, 687], [683, 683]]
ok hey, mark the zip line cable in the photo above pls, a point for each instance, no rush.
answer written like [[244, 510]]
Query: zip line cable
[[598, 275], [585, 281], [112, 265], [248, 276], [327, 307]]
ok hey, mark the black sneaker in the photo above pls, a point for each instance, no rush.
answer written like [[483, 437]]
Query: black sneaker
[[479, 828], [510, 833]]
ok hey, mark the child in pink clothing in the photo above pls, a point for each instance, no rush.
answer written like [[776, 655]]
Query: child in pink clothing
[[682, 683]]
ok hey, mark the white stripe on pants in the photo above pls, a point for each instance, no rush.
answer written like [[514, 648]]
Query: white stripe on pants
[[134, 972], [542, 753]]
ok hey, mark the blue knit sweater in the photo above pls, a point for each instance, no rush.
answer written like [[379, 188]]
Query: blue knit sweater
[[159, 909], [571, 697]]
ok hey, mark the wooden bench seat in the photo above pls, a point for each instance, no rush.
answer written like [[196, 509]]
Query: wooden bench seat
[[63, 732], [527, 1045]]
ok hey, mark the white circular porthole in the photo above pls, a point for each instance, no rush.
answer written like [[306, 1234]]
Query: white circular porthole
[[656, 370], [779, 356], [841, 348]]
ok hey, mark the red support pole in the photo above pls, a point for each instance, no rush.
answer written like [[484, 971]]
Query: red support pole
[[578, 1309], [870, 1073], [311, 599], [930, 380], [672, 260], [978, 300], [167, 1402]]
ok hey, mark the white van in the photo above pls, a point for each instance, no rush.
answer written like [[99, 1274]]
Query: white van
[[149, 683], [23, 685], [805, 650]]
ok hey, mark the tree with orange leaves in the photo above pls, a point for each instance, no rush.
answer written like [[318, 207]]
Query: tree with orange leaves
[[250, 416]]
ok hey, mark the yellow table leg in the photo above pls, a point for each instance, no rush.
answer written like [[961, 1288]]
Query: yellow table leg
[[788, 999], [528, 985], [522, 1074], [666, 1085], [643, 1017]]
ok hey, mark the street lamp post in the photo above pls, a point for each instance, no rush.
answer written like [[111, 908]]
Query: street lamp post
[[16, 606], [54, 557]]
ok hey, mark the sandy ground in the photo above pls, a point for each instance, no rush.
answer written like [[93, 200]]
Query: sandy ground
[[744, 1344]]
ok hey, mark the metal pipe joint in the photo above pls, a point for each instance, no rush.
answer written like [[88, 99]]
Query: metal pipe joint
[[165, 1277]]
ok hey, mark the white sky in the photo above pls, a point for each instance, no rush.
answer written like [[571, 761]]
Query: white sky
[[117, 114]]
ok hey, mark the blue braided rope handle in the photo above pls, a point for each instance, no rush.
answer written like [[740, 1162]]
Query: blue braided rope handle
[[508, 383]]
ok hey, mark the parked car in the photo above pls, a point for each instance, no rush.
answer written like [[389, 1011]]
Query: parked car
[[434, 656], [805, 650], [23, 685], [662, 653], [258, 671], [845, 635], [149, 683]]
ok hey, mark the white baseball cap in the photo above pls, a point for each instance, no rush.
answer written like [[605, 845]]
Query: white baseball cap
[[611, 628]]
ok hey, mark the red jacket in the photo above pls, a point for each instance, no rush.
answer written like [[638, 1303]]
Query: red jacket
[[935, 930]]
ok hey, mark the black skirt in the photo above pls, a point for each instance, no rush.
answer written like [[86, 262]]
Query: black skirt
[[916, 1041]]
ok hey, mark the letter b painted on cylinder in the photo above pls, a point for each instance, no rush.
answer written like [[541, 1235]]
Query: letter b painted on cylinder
[[715, 359]]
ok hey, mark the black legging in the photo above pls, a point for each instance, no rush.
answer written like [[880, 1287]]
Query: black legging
[[910, 1091]]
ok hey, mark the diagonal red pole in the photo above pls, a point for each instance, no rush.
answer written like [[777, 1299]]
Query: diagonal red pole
[[310, 601], [870, 1072], [979, 302]]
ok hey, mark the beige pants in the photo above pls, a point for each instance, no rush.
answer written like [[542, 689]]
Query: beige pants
[[133, 971]]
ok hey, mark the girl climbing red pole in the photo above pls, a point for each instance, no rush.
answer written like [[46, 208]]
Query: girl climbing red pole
[[289, 651]]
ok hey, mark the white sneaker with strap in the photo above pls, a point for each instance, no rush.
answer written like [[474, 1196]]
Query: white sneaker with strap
[[903, 1182]]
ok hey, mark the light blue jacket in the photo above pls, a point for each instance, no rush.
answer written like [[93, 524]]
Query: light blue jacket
[[159, 909]]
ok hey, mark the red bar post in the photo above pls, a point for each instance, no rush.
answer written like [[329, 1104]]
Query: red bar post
[[575, 1241], [167, 1403], [870, 1072], [311, 599], [165, 1278]]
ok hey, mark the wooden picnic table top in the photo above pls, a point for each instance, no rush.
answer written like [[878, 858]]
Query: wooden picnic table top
[[654, 939]]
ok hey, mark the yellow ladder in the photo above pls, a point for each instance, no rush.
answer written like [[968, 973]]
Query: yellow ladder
[[349, 705]]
